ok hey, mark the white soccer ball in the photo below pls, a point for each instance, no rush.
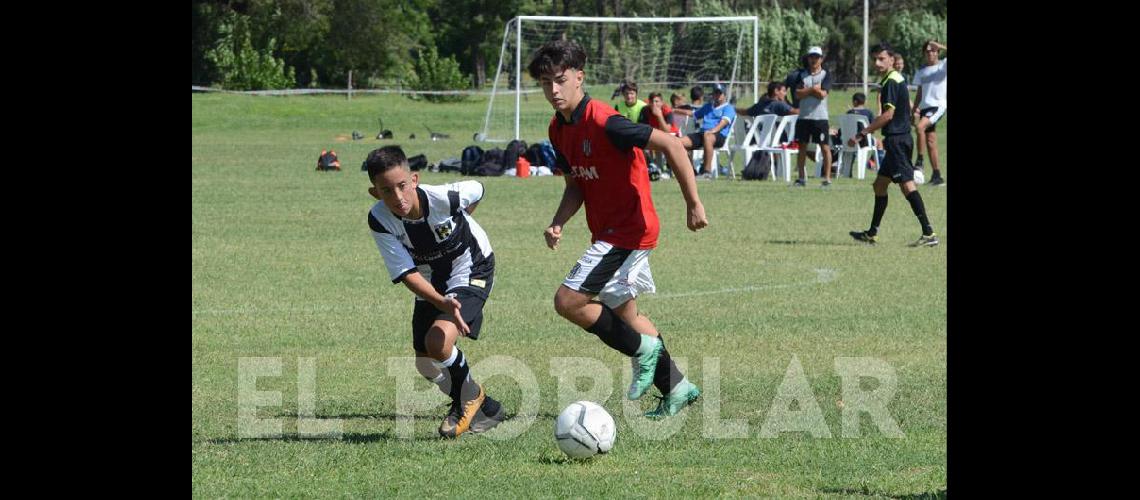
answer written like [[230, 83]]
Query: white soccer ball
[[919, 177], [584, 429]]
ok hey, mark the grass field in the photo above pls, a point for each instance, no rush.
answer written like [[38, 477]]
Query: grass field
[[283, 266]]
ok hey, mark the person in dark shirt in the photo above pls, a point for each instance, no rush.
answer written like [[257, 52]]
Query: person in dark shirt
[[898, 144]]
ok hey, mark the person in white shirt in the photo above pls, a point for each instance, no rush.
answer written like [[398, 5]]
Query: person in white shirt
[[931, 98]]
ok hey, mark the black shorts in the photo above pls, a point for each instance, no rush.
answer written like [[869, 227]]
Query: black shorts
[[698, 140], [471, 298], [896, 164], [809, 131]]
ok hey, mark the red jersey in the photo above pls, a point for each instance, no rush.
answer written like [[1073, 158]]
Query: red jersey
[[647, 116], [602, 150]]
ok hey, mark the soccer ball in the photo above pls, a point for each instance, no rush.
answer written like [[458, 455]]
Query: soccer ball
[[919, 177], [584, 429]]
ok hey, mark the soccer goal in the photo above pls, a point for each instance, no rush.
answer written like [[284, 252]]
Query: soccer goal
[[661, 54]]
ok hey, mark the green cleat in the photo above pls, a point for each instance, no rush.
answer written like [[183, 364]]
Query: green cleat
[[644, 366], [681, 396]]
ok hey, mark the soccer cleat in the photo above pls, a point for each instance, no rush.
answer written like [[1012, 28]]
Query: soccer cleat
[[926, 240], [825, 183], [681, 396], [799, 183], [937, 181], [488, 416], [644, 367], [864, 236], [458, 419]]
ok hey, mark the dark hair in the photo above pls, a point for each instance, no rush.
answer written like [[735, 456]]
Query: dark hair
[[556, 56], [696, 92], [773, 87], [384, 159], [859, 98], [675, 96], [881, 46], [630, 86], [655, 94]]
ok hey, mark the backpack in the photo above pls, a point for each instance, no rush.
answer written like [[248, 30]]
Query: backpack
[[450, 165], [758, 168], [492, 164], [417, 163], [534, 154], [547, 154], [472, 157], [515, 149], [328, 161]]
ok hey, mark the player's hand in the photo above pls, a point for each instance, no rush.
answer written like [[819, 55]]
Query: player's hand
[[852, 140], [697, 219], [553, 235], [452, 306]]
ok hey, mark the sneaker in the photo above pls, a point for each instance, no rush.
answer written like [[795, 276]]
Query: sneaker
[[799, 183], [925, 241], [488, 416], [644, 366], [937, 181], [681, 396], [864, 237], [825, 183], [458, 419], [705, 176]]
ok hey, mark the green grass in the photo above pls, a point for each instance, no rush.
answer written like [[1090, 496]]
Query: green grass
[[283, 266]]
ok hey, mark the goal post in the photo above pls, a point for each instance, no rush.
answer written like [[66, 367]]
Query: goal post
[[662, 54]]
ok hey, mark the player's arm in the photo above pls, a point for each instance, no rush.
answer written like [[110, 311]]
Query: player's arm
[[683, 172], [571, 201], [824, 86], [720, 125], [802, 93], [879, 122]]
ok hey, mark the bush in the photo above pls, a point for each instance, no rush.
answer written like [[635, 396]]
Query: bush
[[431, 72], [240, 66]]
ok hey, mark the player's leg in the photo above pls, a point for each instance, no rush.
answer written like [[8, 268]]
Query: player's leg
[[710, 155], [826, 163], [604, 268], [467, 396], [931, 140], [882, 182], [910, 192], [803, 137]]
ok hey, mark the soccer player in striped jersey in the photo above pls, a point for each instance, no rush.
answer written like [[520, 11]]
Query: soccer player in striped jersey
[[600, 152], [430, 242]]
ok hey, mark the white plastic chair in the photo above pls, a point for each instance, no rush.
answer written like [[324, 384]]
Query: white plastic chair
[[783, 155], [848, 126], [699, 153], [758, 137]]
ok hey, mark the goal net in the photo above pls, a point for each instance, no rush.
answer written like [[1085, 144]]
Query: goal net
[[663, 55]]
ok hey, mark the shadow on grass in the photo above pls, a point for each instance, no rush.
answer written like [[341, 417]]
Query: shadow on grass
[[392, 416], [347, 437], [939, 494], [813, 242]]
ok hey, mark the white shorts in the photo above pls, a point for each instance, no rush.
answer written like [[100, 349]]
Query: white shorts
[[615, 275], [933, 113]]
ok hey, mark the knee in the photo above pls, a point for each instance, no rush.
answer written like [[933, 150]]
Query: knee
[[436, 343], [566, 303]]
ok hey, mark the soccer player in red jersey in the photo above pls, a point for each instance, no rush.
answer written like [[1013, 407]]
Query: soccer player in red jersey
[[600, 153]]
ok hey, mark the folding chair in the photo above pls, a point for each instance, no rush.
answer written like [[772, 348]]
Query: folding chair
[[848, 127]]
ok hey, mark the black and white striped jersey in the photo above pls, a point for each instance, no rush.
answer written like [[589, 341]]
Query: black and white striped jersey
[[446, 246]]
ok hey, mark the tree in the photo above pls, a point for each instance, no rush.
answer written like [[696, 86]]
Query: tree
[[239, 65]]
